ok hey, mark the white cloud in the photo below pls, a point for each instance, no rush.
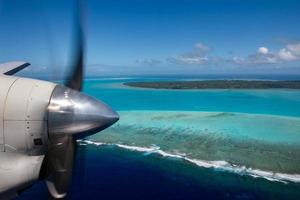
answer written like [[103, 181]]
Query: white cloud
[[294, 49], [148, 61], [190, 60], [290, 52], [263, 50], [238, 60], [286, 55], [200, 56], [259, 58], [196, 57], [201, 47]]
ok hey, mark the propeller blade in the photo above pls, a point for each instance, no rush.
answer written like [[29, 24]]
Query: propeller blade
[[62, 147], [76, 78], [61, 157], [72, 114]]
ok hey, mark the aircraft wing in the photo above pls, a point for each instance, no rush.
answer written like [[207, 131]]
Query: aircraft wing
[[11, 68]]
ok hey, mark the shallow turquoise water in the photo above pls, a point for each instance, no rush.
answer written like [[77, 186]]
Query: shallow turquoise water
[[273, 102], [221, 140], [240, 126], [259, 129]]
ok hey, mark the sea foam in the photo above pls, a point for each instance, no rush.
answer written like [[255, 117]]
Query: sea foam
[[220, 165]]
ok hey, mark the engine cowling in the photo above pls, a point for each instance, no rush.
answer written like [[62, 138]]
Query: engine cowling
[[24, 131], [25, 116]]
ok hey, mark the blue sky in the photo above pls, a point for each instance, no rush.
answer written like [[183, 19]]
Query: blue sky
[[156, 37]]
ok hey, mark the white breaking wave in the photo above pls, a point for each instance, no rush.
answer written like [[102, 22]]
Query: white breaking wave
[[110, 78], [221, 165], [85, 142]]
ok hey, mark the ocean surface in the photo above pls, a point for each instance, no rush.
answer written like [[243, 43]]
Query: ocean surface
[[189, 144]]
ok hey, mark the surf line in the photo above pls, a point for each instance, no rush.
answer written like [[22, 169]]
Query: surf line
[[220, 165]]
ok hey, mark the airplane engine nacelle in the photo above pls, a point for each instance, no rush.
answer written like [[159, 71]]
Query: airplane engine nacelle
[[38, 122], [24, 132], [25, 115]]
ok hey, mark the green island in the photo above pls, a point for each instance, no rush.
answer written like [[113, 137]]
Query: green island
[[217, 84]]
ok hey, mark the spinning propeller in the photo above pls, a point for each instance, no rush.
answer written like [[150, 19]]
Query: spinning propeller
[[71, 114]]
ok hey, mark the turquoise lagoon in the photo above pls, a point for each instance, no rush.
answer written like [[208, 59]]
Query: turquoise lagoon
[[249, 132], [189, 144]]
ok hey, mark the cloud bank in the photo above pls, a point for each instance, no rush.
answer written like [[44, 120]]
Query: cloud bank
[[200, 55], [290, 52]]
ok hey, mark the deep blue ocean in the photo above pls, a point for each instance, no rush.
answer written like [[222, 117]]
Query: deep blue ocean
[[108, 172]]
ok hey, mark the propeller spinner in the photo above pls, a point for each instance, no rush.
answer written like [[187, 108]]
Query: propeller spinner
[[71, 114]]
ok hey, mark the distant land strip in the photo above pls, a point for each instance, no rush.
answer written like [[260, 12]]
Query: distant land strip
[[217, 84]]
